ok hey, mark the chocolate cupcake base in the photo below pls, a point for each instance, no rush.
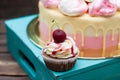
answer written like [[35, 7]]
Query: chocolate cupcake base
[[57, 64]]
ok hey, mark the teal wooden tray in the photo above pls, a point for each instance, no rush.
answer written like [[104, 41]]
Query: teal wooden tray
[[30, 59]]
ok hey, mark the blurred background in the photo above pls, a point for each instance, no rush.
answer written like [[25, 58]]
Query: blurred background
[[17, 8], [9, 68]]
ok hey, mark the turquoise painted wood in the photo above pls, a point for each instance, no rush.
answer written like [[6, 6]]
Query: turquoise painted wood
[[30, 59]]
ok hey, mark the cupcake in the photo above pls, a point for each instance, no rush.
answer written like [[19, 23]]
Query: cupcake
[[61, 53]]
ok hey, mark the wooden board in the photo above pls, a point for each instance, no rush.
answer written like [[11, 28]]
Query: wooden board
[[13, 78], [9, 68], [17, 8]]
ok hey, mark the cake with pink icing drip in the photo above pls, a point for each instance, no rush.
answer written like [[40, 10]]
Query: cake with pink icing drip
[[93, 24]]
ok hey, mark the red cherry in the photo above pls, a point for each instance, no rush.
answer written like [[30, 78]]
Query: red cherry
[[59, 36]]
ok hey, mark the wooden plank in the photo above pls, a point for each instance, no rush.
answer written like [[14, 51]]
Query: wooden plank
[[8, 66], [2, 39], [3, 49], [17, 8], [21, 11], [3, 45], [2, 28], [14, 78], [13, 3], [6, 57]]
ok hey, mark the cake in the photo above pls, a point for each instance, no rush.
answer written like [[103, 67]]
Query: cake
[[93, 24], [61, 53]]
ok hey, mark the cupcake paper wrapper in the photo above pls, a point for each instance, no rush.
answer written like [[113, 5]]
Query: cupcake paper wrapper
[[57, 64]]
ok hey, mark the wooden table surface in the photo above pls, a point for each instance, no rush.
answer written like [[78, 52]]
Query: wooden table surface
[[9, 68]]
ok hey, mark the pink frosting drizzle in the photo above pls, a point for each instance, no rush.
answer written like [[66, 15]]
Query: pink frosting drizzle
[[102, 8], [62, 50]]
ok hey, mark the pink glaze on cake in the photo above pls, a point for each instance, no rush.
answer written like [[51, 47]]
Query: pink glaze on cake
[[44, 31], [98, 41]]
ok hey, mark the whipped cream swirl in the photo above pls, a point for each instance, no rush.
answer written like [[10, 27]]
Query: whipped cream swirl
[[102, 8], [73, 7], [65, 49], [80, 7]]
